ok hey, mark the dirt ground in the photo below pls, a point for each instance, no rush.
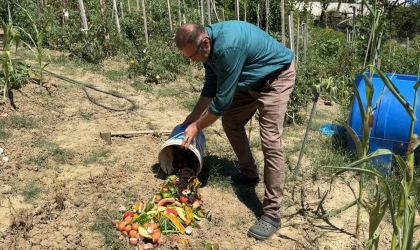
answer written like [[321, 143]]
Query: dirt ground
[[62, 182]]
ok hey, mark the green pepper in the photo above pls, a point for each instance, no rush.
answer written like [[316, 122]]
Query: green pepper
[[173, 189], [166, 194]]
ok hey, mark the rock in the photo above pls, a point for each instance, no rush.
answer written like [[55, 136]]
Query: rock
[[6, 189]]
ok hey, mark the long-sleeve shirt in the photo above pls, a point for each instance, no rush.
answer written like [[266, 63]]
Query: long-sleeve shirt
[[242, 57]]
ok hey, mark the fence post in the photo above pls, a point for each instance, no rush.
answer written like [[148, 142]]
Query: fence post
[[267, 13], [83, 16], [122, 10], [283, 37], [169, 14], [208, 12], [117, 21], [144, 21]]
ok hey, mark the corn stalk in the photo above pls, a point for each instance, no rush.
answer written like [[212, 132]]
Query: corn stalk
[[379, 206], [39, 38], [6, 61]]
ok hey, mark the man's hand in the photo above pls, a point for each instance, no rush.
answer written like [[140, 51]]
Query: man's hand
[[193, 117], [190, 136]]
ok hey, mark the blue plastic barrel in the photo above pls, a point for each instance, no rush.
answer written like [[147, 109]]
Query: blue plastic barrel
[[391, 122]]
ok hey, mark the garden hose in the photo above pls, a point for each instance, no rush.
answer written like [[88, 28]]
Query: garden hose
[[84, 86]]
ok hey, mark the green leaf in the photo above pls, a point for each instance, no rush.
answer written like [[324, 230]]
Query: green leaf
[[396, 93], [369, 90], [354, 136]]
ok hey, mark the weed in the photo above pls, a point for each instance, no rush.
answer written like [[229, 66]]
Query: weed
[[31, 191], [18, 122], [97, 155]]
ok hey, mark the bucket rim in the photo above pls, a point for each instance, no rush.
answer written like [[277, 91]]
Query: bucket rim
[[173, 142]]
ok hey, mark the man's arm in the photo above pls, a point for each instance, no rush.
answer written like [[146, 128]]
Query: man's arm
[[191, 132], [199, 108]]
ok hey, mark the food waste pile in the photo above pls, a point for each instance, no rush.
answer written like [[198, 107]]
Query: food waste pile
[[171, 214]]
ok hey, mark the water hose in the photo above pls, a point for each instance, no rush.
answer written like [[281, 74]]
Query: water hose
[[84, 86]]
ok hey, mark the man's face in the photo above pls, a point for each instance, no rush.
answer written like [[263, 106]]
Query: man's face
[[197, 52]]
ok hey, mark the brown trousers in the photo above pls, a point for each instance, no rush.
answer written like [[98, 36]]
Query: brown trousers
[[271, 101]]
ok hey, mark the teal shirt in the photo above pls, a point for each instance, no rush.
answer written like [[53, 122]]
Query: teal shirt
[[242, 57]]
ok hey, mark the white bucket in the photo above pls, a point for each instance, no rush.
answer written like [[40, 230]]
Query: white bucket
[[166, 153]]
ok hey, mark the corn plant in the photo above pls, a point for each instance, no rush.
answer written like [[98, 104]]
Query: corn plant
[[379, 206], [39, 38], [8, 69]]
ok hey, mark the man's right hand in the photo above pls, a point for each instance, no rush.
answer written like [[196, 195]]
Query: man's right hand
[[190, 119]]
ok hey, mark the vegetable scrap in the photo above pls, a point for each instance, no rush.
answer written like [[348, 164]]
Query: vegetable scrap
[[174, 210]]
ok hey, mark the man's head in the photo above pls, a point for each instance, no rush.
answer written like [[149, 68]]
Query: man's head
[[193, 42]]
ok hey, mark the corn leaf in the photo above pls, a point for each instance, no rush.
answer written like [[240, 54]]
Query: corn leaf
[[396, 93], [337, 211], [354, 136], [383, 181], [368, 89]]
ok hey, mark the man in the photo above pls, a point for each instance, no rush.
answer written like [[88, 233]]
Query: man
[[246, 69]]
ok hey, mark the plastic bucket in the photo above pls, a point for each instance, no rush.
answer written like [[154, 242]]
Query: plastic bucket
[[168, 149]]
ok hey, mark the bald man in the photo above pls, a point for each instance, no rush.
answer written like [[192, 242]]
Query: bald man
[[246, 70]]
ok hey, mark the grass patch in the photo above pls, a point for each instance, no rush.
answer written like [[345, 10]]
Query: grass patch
[[31, 191], [104, 226], [18, 122], [52, 151], [97, 155]]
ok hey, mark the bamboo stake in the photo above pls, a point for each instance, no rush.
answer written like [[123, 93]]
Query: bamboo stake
[[102, 4], [245, 10], [137, 5], [354, 24], [236, 9], [169, 14], [223, 14], [304, 40], [267, 12], [122, 10], [202, 11], [117, 21], [144, 21], [83, 16], [215, 11], [128, 5], [408, 45], [283, 37], [179, 12], [208, 13], [297, 43], [292, 33], [258, 15]]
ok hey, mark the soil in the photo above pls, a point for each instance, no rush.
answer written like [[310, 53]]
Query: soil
[[62, 183]]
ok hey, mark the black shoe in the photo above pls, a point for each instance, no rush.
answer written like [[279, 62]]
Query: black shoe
[[240, 179]]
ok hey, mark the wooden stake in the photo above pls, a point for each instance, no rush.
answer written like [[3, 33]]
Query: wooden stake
[[223, 14], [245, 10], [297, 44], [122, 10], [169, 14], [137, 5], [408, 45], [202, 11], [304, 41], [283, 36], [258, 15], [83, 16], [144, 21], [102, 4], [208, 13], [128, 5], [267, 13], [117, 21], [236, 9], [179, 12], [215, 11]]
